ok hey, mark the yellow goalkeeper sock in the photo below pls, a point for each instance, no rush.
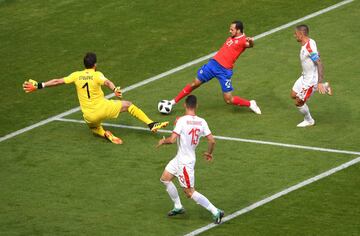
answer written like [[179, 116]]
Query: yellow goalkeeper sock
[[98, 130], [139, 114]]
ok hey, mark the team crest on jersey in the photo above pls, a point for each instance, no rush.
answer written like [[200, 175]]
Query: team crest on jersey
[[229, 43]]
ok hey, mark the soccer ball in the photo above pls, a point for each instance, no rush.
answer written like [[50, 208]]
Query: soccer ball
[[164, 107]]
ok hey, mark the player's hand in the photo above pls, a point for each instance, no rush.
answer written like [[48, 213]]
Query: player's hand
[[117, 92], [321, 88], [208, 156], [249, 42], [30, 86], [161, 142], [249, 39]]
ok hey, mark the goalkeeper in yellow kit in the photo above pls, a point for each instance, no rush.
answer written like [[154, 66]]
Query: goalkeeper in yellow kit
[[94, 106]]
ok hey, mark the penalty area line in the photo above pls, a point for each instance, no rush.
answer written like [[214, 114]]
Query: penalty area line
[[174, 70], [277, 195], [227, 138]]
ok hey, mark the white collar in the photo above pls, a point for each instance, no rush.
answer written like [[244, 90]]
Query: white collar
[[239, 36]]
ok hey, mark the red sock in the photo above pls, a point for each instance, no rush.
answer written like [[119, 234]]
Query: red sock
[[238, 101], [186, 91]]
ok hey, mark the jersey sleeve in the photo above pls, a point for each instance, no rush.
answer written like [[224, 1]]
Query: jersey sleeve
[[178, 126], [70, 79], [313, 53], [206, 131], [100, 78]]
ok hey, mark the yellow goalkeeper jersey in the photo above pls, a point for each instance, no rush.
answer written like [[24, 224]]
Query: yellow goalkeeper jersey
[[88, 87]]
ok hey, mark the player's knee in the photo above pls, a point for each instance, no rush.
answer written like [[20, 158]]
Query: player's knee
[[188, 192], [299, 102], [195, 84], [125, 105], [128, 103], [228, 99], [165, 182]]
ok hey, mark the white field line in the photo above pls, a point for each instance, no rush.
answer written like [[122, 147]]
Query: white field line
[[228, 138], [172, 71], [277, 195], [43, 122], [303, 19]]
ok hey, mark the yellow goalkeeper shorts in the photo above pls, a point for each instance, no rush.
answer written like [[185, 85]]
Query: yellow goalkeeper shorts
[[108, 109]]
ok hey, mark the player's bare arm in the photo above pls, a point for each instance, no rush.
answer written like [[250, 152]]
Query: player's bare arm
[[169, 140], [112, 87], [109, 84], [211, 144], [54, 82], [32, 85], [320, 68], [249, 42]]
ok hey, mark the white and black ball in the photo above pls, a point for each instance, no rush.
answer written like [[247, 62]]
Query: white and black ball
[[164, 107]]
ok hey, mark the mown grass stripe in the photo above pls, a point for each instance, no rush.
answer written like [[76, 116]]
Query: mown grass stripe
[[172, 71], [228, 138]]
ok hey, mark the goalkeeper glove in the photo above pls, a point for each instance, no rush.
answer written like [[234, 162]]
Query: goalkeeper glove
[[118, 92], [32, 85]]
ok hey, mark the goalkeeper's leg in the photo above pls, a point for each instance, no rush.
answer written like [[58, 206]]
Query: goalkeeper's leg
[[135, 112], [140, 115], [99, 130]]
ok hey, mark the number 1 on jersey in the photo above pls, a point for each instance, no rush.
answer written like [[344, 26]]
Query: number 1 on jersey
[[87, 89], [194, 132]]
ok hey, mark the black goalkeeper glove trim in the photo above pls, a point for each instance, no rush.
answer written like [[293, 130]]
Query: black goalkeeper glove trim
[[40, 85]]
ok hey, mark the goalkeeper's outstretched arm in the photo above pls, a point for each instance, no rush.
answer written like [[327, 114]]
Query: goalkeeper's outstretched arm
[[54, 82], [32, 85]]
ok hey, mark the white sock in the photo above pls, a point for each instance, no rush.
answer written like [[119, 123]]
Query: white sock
[[173, 102], [305, 111], [173, 193], [204, 202]]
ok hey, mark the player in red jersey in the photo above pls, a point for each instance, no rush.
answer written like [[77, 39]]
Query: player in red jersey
[[220, 66]]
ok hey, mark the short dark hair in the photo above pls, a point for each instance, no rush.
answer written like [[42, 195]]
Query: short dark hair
[[238, 25], [191, 101], [89, 60], [303, 28]]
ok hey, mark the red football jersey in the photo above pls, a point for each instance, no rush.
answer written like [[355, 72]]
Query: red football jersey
[[230, 51]]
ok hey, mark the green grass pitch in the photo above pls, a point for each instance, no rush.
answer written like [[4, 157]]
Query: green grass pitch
[[58, 179]]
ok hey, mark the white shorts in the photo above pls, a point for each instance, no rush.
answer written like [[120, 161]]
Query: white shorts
[[184, 172], [303, 90]]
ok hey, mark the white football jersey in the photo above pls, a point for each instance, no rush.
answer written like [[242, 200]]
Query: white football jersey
[[308, 55], [190, 129]]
